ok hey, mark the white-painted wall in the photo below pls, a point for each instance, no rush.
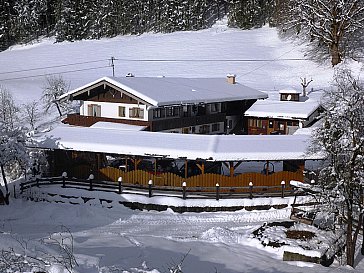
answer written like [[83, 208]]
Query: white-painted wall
[[111, 109]]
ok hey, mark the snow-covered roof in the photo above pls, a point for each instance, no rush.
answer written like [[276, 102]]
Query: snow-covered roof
[[283, 109], [159, 91], [189, 146], [119, 126], [289, 91]]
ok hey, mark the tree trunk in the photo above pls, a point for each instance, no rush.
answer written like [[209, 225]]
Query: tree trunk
[[59, 109], [350, 244], [7, 194], [362, 243], [335, 54]]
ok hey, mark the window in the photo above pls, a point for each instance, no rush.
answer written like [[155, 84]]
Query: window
[[122, 111], [258, 123], [281, 126], [215, 127], [204, 129], [94, 110], [157, 113], [215, 107], [172, 111], [136, 112], [271, 124]]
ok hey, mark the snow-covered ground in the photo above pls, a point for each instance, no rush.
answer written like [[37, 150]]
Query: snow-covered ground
[[142, 241]]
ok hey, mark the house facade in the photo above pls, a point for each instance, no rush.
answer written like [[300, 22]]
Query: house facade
[[283, 117], [180, 105]]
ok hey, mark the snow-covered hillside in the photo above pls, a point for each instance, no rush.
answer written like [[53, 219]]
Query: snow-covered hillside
[[258, 57]]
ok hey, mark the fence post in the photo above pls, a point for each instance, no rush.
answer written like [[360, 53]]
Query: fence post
[[14, 191], [64, 176], [150, 184], [37, 182], [120, 180], [90, 178], [184, 190], [283, 184], [217, 191], [251, 190]]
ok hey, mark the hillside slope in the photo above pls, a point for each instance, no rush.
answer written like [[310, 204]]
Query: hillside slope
[[263, 59]]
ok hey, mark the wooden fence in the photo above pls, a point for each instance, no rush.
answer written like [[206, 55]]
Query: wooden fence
[[207, 180], [151, 189]]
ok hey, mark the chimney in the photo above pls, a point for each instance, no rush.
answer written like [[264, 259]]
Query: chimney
[[231, 78]]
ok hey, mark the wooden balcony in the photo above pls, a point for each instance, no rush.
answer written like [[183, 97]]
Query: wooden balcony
[[87, 121]]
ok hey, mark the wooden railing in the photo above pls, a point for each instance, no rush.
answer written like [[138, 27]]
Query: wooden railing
[[87, 121], [153, 190]]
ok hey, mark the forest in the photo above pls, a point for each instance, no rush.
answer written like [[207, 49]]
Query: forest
[[26, 20], [333, 28]]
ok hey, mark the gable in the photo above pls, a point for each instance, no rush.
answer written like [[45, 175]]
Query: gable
[[106, 92]]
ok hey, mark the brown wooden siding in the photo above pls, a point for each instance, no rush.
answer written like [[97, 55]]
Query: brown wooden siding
[[264, 129], [87, 121]]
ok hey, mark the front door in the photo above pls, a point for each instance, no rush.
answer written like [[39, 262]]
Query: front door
[[270, 128]]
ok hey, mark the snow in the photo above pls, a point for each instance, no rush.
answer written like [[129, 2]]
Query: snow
[[189, 146], [283, 109], [289, 91], [149, 241], [220, 43], [117, 126], [119, 239], [161, 91]]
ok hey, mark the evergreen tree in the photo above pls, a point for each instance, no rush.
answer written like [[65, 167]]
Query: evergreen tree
[[7, 13]]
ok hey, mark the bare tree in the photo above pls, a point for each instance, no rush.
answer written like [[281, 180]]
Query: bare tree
[[40, 255], [31, 112], [54, 87], [305, 84], [335, 28], [342, 139]]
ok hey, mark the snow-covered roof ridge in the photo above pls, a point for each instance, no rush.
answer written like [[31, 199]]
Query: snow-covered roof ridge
[[159, 91], [189, 146], [289, 91]]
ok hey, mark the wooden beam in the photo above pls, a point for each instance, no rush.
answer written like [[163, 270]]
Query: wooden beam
[[201, 167], [238, 164], [155, 166], [136, 162], [231, 168], [186, 168]]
